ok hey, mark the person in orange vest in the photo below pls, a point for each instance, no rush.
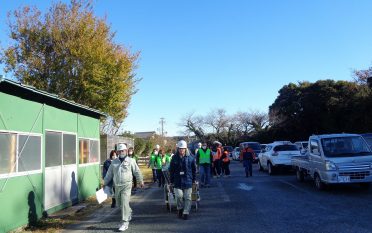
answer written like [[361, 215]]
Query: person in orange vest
[[216, 153], [248, 156], [225, 163]]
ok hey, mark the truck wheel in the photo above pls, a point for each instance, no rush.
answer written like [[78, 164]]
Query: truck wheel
[[260, 168], [300, 175], [318, 182], [270, 169]]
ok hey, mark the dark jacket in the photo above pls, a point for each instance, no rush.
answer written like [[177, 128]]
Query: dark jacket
[[185, 165], [105, 168]]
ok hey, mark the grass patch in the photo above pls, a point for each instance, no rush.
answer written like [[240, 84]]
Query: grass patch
[[56, 223], [147, 174]]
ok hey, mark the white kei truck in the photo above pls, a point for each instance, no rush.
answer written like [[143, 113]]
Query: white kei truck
[[335, 159]]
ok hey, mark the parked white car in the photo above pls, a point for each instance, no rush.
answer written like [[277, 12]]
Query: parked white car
[[236, 153], [277, 154]]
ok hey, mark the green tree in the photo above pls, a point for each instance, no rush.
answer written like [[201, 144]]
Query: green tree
[[71, 52], [139, 146], [326, 106]]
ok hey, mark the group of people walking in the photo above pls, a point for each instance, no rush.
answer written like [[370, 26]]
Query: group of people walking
[[159, 162], [213, 160], [121, 173]]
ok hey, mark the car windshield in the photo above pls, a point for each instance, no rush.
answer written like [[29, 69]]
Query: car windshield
[[229, 148], [286, 148], [345, 146], [254, 146]]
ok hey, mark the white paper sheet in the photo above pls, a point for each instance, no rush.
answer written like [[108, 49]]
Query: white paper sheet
[[101, 196]]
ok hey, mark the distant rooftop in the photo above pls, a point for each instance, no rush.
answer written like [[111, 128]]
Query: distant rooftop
[[144, 135]]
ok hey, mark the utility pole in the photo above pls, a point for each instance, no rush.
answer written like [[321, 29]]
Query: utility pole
[[162, 122]]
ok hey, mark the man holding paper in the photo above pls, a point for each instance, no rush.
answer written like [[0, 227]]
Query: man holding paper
[[121, 172]]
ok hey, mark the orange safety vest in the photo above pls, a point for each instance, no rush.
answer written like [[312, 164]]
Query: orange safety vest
[[226, 159], [217, 155], [247, 150]]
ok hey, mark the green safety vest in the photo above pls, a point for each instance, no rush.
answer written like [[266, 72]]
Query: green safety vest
[[152, 160], [167, 158], [204, 157], [158, 162]]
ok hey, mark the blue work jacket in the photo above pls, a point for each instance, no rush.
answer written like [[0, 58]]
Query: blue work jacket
[[182, 171]]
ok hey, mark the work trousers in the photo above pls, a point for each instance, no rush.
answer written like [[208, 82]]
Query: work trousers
[[205, 173], [217, 167], [154, 175], [160, 177], [248, 167], [134, 182], [183, 199], [122, 194], [226, 168]]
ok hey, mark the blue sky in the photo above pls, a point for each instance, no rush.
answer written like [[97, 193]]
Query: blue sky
[[201, 55]]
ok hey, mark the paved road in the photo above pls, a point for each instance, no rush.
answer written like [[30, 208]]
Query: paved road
[[260, 203]]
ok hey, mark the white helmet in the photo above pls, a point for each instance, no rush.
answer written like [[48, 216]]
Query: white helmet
[[199, 144], [121, 146], [157, 147], [182, 144]]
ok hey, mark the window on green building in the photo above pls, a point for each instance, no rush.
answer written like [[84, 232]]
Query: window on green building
[[19, 153], [29, 152], [88, 151], [60, 149], [69, 149], [8, 153], [53, 149], [94, 152]]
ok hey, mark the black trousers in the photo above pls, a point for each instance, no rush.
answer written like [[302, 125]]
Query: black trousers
[[160, 177], [226, 168]]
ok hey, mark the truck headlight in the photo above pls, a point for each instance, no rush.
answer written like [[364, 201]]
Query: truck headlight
[[330, 166]]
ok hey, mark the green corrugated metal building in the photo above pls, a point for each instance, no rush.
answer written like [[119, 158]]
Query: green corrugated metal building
[[49, 153]]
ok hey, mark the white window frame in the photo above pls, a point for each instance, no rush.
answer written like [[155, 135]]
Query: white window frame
[[99, 151], [76, 146], [24, 173]]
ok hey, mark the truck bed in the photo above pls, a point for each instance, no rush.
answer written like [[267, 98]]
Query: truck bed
[[300, 162]]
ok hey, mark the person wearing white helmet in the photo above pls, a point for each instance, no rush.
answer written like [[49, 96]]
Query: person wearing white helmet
[[182, 172], [121, 171], [197, 148]]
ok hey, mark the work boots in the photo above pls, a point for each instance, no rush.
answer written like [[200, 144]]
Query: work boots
[[113, 204], [180, 213]]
